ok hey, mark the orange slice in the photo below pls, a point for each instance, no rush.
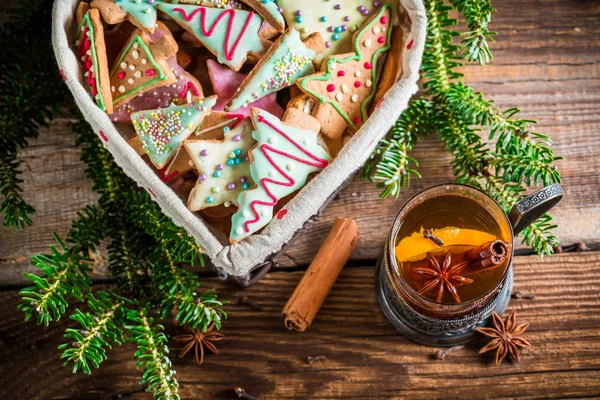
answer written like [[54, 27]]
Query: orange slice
[[415, 246]]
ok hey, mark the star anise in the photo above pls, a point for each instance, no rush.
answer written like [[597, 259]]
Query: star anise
[[506, 337], [198, 340], [444, 277]]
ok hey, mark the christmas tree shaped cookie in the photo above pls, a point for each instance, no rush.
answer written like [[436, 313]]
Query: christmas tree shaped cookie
[[230, 34], [223, 167], [141, 66], [226, 82], [162, 96], [141, 13], [91, 51], [160, 132], [288, 59], [286, 153], [335, 20], [348, 83]]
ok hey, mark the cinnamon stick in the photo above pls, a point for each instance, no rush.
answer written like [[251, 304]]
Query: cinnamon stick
[[487, 255], [305, 302]]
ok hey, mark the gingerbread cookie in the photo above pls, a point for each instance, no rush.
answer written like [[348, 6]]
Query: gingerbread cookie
[[141, 66], [141, 13], [162, 131], [286, 153], [230, 34], [162, 96], [349, 81], [213, 124], [335, 20], [223, 167], [225, 83], [269, 10], [213, 127], [288, 59], [91, 51]]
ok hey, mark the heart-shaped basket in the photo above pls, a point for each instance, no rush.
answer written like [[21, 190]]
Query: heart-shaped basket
[[239, 259]]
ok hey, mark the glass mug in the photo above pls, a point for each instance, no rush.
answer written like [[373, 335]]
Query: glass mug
[[433, 321]]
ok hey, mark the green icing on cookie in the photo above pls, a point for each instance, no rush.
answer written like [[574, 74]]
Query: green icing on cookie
[[228, 33], [163, 130], [152, 73], [143, 11], [335, 20], [86, 43], [351, 98], [291, 60]]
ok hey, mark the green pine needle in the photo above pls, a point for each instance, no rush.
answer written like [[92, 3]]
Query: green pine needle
[[98, 331], [151, 354], [65, 274], [478, 14]]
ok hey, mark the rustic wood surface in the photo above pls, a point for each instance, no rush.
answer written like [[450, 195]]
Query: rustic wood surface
[[365, 356], [547, 59]]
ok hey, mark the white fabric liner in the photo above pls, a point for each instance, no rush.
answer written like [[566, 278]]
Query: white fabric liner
[[239, 259]]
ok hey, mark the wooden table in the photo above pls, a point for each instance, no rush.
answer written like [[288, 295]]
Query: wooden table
[[547, 61]]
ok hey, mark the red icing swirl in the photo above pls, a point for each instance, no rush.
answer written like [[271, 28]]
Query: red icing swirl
[[289, 181]]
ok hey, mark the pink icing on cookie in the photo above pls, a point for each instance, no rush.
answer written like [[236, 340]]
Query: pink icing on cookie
[[229, 52], [191, 87], [238, 117], [225, 82]]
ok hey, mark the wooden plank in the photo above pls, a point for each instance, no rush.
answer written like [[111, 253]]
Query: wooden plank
[[366, 358], [55, 184], [546, 61]]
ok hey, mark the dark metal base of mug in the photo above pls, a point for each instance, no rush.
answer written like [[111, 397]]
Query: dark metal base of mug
[[421, 329]]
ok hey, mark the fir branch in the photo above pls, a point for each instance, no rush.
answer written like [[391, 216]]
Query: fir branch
[[175, 245], [198, 311], [17, 213], [505, 193], [478, 14], [169, 277], [31, 92], [471, 157], [539, 236], [109, 179], [126, 257], [521, 162], [393, 170], [440, 55], [65, 274], [151, 354], [389, 164], [88, 229], [99, 329], [502, 126]]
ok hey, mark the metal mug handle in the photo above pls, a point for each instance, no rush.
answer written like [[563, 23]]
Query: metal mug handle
[[530, 208]]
